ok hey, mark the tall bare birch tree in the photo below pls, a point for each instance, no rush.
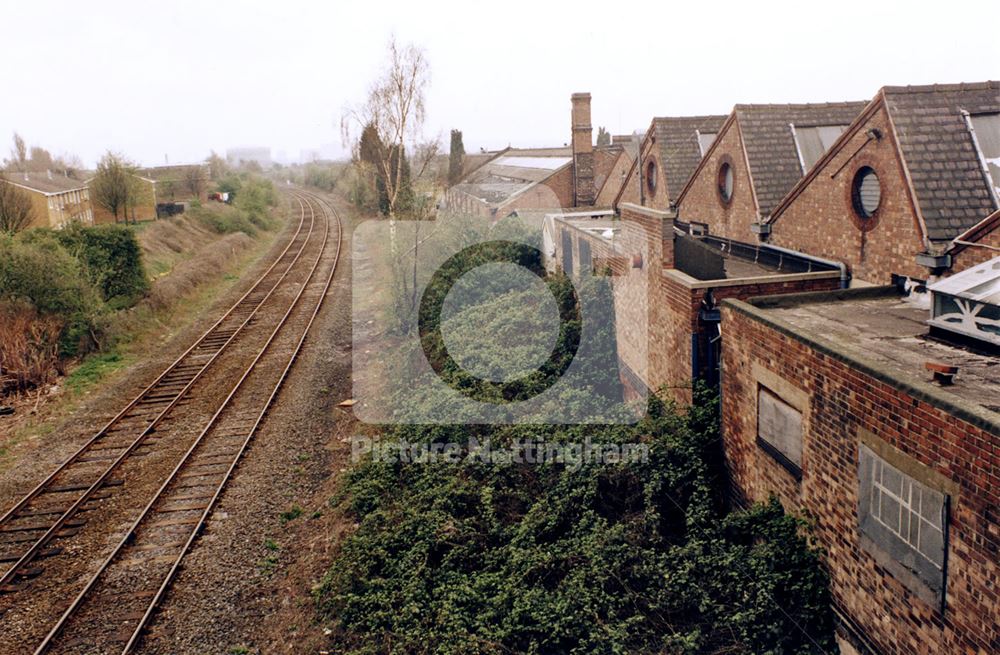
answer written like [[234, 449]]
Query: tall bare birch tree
[[395, 108]]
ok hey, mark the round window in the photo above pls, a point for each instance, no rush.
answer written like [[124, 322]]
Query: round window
[[866, 192], [726, 182], [651, 177]]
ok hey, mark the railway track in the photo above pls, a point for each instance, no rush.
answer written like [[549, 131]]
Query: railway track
[[117, 601]]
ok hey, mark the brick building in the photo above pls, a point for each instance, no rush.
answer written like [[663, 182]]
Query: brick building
[[670, 152], [830, 402], [143, 209], [917, 168], [179, 182], [668, 284], [758, 155], [542, 178], [56, 200], [976, 245]]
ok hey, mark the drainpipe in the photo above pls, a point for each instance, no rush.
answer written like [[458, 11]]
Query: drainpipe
[[845, 278]]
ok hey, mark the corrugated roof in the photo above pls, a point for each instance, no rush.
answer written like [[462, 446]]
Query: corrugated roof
[[677, 140], [770, 146], [41, 182], [939, 153]]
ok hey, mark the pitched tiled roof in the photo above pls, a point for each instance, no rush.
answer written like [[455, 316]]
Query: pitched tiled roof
[[42, 182], [677, 140], [939, 154], [770, 145]]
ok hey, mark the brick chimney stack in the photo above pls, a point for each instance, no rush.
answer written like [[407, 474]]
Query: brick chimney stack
[[583, 151]]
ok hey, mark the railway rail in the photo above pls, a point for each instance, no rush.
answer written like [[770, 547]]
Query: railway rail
[[117, 602]]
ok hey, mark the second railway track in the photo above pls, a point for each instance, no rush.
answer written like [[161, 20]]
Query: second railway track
[[164, 529]]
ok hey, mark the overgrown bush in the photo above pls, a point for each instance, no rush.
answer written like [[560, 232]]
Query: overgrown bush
[[223, 219], [539, 558], [112, 259], [35, 268], [29, 347], [545, 558], [256, 198]]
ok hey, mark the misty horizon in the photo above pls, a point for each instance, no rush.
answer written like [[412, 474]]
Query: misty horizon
[[170, 84]]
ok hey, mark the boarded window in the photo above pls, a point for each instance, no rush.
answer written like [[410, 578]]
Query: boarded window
[[586, 260], [779, 430], [567, 253], [905, 518], [813, 142], [705, 141], [987, 128]]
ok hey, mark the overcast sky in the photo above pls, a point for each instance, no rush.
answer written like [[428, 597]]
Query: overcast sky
[[177, 79]]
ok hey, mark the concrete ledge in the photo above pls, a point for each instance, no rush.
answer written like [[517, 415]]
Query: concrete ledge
[[810, 297], [695, 283], [648, 211], [971, 413]]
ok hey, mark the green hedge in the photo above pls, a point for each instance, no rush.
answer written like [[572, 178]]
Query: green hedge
[[113, 260], [36, 268]]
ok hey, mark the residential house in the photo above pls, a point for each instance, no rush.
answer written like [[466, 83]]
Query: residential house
[[56, 200], [142, 209]]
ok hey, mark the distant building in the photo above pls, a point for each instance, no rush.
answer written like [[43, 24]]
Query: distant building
[[57, 200], [262, 156], [179, 182], [498, 183], [143, 209]]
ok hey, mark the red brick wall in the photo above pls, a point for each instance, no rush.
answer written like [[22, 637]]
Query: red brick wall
[[702, 204], [988, 248], [612, 179], [554, 192], [819, 220], [843, 399], [672, 357]]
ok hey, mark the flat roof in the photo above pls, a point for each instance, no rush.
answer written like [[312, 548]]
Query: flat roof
[[892, 333]]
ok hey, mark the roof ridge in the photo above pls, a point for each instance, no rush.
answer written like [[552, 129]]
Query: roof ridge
[[947, 87], [801, 105]]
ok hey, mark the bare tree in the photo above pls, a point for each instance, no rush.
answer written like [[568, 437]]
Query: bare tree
[[395, 109], [218, 167], [115, 186], [16, 211], [19, 153], [194, 180]]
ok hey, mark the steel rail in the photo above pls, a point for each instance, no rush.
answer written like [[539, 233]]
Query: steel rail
[[57, 525], [147, 512]]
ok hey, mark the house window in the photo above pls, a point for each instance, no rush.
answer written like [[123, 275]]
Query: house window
[[651, 177], [725, 181], [906, 519], [866, 192], [779, 430]]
